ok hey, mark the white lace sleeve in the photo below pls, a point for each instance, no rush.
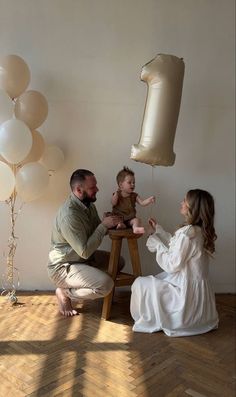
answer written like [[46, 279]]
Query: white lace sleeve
[[153, 242], [171, 259], [159, 237], [163, 235]]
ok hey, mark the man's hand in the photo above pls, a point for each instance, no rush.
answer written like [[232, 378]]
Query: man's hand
[[110, 220]]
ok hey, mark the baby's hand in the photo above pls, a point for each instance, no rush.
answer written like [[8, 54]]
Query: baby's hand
[[115, 198], [116, 193], [152, 200]]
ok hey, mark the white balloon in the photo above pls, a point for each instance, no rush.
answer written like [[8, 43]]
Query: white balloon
[[7, 181], [15, 140], [32, 108], [37, 148], [52, 157], [31, 181], [6, 107], [14, 75]]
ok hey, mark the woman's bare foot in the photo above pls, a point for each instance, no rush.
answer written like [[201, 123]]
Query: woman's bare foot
[[64, 303], [138, 229]]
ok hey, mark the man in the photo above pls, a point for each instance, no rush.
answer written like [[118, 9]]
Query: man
[[75, 265]]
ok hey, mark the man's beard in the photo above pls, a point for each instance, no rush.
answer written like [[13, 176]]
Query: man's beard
[[86, 200]]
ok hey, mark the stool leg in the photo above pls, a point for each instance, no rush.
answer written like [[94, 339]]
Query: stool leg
[[134, 255], [112, 270]]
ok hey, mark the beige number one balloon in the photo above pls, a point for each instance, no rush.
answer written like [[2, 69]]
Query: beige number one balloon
[[164, 77]]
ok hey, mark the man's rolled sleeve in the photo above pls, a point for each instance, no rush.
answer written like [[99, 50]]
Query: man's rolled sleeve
[[76, 236]]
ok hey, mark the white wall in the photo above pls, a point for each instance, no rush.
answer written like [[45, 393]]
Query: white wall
[[85, 56]]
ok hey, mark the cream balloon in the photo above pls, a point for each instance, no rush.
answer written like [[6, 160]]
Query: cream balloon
[[32, 108], [7, 181], [164, 77], [6, 107], [52, 158], [14, 75], [31, 181], [15, 140], [37, 148]]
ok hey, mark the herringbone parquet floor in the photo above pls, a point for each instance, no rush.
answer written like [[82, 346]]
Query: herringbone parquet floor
[[44, 354]]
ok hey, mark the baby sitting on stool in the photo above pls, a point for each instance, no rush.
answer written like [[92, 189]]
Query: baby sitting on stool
[[124, 201]]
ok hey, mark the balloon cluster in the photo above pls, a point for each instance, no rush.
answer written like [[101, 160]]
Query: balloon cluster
[[25, 159]]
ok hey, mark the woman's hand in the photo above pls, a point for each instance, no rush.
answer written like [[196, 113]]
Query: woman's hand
[[152, 225]]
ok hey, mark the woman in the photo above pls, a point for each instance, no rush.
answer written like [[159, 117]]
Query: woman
[[180, 300]]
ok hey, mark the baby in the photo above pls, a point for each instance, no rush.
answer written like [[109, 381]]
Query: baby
[[124, 201]]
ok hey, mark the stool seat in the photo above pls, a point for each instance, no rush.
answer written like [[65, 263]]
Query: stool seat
[[121, 278], [123, 233]]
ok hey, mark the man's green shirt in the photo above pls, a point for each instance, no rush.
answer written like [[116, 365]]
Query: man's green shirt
[[77, 233]]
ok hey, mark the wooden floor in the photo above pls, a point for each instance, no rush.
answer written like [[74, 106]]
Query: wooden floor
[[44, 354]]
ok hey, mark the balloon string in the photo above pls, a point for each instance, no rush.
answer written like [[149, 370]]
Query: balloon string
[[152, 186], [9, 277]]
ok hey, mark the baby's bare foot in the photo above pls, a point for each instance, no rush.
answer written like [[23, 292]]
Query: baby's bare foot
[[121, 225], [138, 229], [64, 303]]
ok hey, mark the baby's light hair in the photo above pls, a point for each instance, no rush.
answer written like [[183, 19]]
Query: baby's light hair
[[123, 173]]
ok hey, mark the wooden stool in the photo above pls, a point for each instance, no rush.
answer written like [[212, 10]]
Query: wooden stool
[[121, 279]]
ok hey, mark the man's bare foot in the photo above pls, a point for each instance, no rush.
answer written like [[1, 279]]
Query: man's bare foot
[[121, 225], [64, 303], [138, 229]]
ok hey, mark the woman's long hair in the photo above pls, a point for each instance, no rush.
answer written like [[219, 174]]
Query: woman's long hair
[[201, 212]]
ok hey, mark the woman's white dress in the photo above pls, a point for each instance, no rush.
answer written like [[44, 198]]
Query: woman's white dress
[[180, 300]]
